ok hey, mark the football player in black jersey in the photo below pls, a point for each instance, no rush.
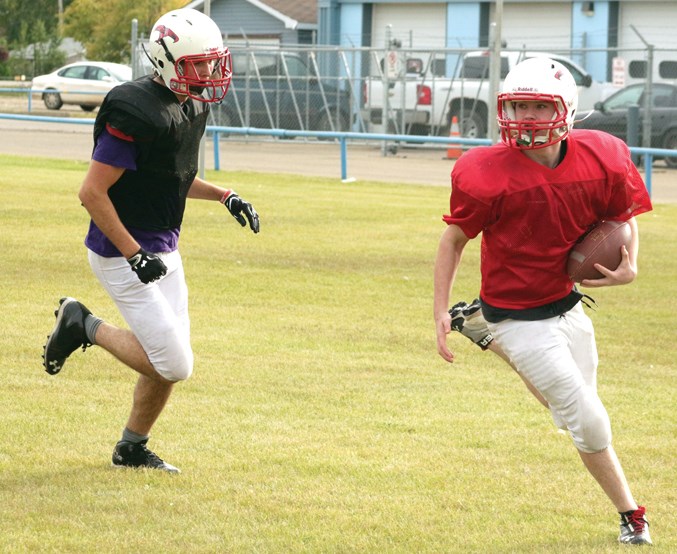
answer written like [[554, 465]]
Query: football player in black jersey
[[144, 166]]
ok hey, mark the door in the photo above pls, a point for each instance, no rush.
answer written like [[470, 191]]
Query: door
[[253, 99], [73, 80], [616, 111]]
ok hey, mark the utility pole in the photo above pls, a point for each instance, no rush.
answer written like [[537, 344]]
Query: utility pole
[[207, 10], [60, 4], [495, 70], [385, 114], [648, 86], [135, 49]]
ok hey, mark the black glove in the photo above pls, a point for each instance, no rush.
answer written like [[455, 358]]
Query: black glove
[[236, 206], [468, 320], [148, 267]]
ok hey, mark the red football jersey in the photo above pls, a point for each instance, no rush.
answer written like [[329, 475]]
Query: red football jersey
[[531, 215]]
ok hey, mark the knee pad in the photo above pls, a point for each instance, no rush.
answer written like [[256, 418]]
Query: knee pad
[[174, 361], [591, 428], [179, 369]]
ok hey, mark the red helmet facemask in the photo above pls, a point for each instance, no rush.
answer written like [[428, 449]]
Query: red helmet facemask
[[544, 81], [188, 81], [531, 134]]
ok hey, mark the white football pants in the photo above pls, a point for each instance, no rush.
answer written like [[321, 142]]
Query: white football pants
[[559, 357], [157, 313]]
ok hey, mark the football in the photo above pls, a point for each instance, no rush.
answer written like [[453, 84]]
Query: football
[[601, 245]]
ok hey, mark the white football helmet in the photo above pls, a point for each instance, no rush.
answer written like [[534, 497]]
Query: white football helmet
[[542, 80], [179, 40]]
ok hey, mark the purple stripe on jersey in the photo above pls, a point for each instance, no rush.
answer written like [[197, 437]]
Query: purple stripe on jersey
[[114, 151], [152, 241]]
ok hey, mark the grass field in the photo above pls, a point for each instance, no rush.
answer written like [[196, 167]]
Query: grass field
[[319, 417]]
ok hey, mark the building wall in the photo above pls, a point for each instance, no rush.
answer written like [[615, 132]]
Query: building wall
[[536, 27], [237, 18], [591, 28], [329, 26], [414, 25], [602, 28], [466, 18], [655, 22]]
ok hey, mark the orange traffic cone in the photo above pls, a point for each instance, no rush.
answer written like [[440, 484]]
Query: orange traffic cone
[[454, 151]]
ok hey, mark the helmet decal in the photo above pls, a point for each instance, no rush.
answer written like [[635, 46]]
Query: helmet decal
[[164, 33]]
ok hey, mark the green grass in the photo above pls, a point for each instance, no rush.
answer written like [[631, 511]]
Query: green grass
[[319, 417]]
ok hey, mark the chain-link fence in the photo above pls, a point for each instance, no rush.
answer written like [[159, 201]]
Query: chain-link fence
[[297, 89], [424, 92], [643, 109]]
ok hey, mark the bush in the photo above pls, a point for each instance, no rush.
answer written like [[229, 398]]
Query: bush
[[4, 56]]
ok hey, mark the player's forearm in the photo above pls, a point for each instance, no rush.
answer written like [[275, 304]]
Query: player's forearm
[[203, 190], [94, 197], [633, 249], [100, 208], [449, 255], [443, 278], [105, 217]]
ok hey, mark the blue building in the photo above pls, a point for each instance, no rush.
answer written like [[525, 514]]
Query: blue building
[[607, 30]]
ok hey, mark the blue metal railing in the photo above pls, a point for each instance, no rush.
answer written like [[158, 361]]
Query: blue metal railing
[[343, 138]]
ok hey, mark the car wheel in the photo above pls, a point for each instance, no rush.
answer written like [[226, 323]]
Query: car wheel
[[52, 100], [288, 122], [87, 108], [670, 142], [226, 118], [223, 117], [413, 129], [323, 123], [472, 126]]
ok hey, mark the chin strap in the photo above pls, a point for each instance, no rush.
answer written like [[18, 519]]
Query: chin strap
[[156, 69]]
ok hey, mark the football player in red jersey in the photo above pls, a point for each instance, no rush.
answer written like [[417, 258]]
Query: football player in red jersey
[[144, 167], [532, 196]]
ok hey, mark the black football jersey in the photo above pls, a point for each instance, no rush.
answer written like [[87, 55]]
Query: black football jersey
[[167, 135]]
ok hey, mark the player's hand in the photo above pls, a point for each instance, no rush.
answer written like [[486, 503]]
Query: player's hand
[[443, 328], [625, 273], [148, 267], [237, 206]]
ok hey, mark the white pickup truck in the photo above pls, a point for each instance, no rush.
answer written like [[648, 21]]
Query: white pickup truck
[[424, 103]]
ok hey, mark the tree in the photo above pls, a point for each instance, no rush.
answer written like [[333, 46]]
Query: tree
[[4, 56], [17, 13], [106, 36], [42, 55], [30, 28]]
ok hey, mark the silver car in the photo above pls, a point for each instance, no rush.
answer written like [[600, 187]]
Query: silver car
[[84, 84]]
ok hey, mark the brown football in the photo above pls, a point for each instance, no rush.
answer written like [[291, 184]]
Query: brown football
[[601, 245]]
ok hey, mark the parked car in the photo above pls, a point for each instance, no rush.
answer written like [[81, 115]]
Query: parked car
[[84, 84], [280, 90], [611, 115]]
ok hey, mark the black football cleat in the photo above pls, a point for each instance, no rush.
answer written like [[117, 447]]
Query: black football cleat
[[136, 455], [634, 527], [67, 336]]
